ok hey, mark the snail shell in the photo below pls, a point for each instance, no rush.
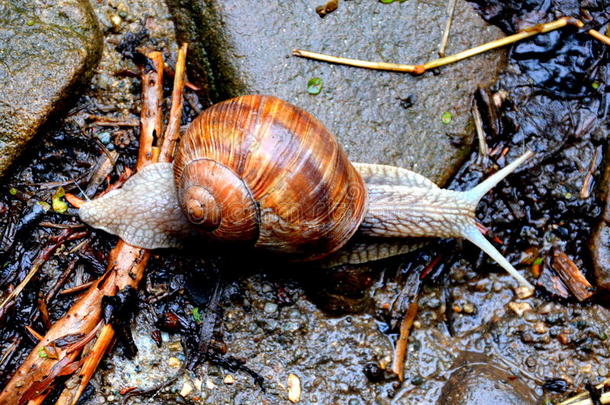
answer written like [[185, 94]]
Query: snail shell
[[259, 170]]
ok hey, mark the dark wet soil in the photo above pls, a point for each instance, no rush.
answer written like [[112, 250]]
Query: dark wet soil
[[552, 99]]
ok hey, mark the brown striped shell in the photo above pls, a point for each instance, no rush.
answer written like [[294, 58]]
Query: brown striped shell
[[259, 170]]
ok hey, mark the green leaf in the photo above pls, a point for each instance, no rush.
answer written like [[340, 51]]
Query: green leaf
[[314, 86], [595, 85], [58, 204], [538, 261], [42, 353], [12, 191], [197, 315], [446, 117]]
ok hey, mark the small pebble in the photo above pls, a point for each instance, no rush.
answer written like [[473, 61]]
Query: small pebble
[[209, 384], [174, 362], [294, 313], [519, 308], [294, 388], [270, 307], [187, 388], [468, 308], [524, 292], [343, 388], [229, 379], [434, 303], [530, 316], [417, 380], [116, 21], [540, 328], [110, 398], [104, 137], [545, 309], [197, 383]]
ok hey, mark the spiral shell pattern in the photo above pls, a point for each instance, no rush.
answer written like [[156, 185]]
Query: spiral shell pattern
[[282, 181]]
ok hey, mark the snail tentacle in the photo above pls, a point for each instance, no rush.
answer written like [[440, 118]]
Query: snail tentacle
[[402, 211]]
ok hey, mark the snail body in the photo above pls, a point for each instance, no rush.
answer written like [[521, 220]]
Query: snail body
[[261, 172]]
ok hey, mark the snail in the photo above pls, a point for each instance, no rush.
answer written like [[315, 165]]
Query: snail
[[261, 172]]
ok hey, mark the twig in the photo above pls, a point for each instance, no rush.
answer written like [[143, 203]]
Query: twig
[[583, 397], [410, 293], [35, 334], [599, 36], [392, 67], [400, 353], [46, 224], [450, 11], [76, 289], [170, 72], [132, 260], [103, 167], [587, 183], [102, 120], [151, 120], [172, 132], [478, 124], [62, 279], [419, 69]]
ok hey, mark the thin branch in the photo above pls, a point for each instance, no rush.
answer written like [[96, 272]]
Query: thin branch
[[419, 69], [450, 11], [400, 353], [172, 132], [150, 120], [599, 36]]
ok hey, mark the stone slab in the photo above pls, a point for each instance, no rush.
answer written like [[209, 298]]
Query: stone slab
[[47, 48], [246, 48]]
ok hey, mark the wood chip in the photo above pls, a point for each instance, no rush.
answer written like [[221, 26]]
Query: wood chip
[[229, 379], [294, 388], [572, 276]]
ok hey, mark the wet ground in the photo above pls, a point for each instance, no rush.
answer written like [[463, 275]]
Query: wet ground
[[336, 330]]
